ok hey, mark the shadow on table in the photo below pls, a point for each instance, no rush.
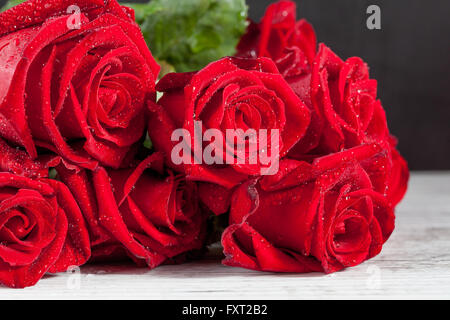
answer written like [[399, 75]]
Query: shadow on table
[[210, 266]]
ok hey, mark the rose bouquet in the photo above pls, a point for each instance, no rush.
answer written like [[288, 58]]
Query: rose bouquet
[[277, 133]]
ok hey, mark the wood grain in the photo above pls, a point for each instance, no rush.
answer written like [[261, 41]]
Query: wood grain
[[415, 263]]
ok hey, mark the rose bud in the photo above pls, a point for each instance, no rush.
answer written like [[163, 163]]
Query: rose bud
[[291, 44], [231, 94], [41, 230], [74, 83], [310, 217], [147, 213]]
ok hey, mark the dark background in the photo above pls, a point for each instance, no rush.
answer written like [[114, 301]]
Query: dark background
[[410, 58]]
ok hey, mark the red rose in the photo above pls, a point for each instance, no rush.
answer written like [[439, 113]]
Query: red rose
[[78, 92], [389, 174], [387, 170], [18, 162], [104, 246], [344, 105], [41, 228], [79, 181], [290, 43], [342, 98], [345, 114], [230, 94], [145, 212], [215, 197], [310, 217], [398, 177]]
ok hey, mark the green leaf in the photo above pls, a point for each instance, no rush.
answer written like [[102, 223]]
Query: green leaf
[[52, 174], [148, 142], [189, 34], [11, 3]]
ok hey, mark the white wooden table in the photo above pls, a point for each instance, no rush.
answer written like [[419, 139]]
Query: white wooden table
[[415, 263]]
